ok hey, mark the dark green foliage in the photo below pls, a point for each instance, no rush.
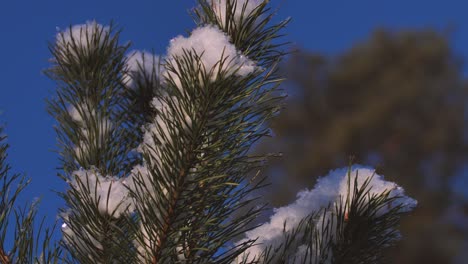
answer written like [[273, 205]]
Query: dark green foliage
[[136, 100], [88, 72], [361, 231], [198, 179], [355, 229], [252, 33], [92, 135], [202, 181]]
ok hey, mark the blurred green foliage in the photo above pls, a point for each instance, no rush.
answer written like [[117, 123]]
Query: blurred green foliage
[[395, 101]]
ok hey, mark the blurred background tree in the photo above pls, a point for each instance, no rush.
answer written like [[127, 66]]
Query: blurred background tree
[[395, 101]]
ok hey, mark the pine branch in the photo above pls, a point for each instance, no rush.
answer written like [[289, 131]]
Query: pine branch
[[346, 218], [27, 237], [363, 231], [249, 26], [195, 152], [88, 66], [208, 156], [202, 110]]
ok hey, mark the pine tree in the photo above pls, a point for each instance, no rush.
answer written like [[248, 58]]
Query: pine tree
[[156, 152]]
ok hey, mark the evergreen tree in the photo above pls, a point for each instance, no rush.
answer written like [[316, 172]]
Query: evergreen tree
[[156, 152]]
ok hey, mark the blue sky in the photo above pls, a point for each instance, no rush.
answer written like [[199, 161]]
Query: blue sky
[[26, 28]]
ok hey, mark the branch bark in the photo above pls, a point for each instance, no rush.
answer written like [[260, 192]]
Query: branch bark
[[4, 259]]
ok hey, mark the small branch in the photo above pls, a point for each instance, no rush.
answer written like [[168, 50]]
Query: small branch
[[4, 259], [167, 224], [181, 177]]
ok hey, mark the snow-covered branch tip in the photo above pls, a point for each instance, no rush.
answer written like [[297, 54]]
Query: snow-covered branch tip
[[142, 66], [217, 54], [82, 39], [334, 196], [236, 11]]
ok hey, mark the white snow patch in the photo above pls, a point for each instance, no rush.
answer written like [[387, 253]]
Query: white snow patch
[[85, 119], [212, 46], [247, 6], [141, 65], [327, 191], [161, 130], [108, 192], [84, 37]]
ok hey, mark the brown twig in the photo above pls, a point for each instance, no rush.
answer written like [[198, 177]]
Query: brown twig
[[170, 214], [4, 259]]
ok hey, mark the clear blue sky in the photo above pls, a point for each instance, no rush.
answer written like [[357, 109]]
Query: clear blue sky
[[27, 26]]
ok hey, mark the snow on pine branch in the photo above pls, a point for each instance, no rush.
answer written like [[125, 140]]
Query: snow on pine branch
[[110, 194], [328, 191], [213, 46], [242, 8], [83, 117], [83, 37], [213, 53], [141, 65], [160, 131]]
